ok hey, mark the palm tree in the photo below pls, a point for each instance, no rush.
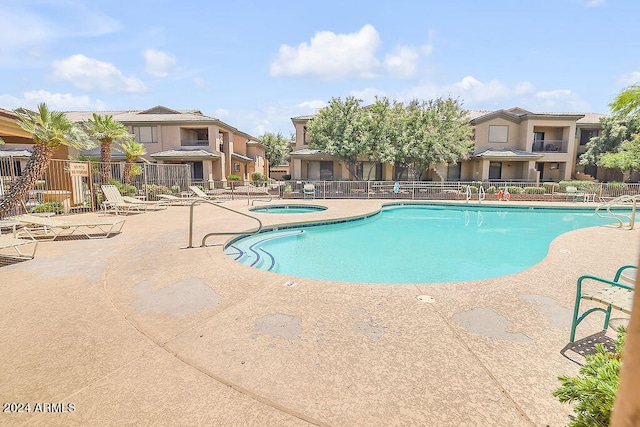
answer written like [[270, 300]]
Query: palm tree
[[104, 130], [49, 130], [131, 150]]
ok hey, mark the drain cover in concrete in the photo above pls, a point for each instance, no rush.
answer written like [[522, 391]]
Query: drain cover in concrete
[[426, 298]]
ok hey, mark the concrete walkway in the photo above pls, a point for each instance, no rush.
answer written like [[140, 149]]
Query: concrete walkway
[[138, 330]]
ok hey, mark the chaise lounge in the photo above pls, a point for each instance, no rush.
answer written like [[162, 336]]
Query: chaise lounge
[[50, 228], [114, 201], [14, 243]]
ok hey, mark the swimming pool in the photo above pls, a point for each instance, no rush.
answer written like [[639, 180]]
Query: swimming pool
[[289, 209], [415, 244]]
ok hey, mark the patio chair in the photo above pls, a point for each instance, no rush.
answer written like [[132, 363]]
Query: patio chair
[[616, 295], [14, 243], [114, 201], [50, 228], [155, 205], [309, 190], [202, 195], [170, 199], [574, 194]]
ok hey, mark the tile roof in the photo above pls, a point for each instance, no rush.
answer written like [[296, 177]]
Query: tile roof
[[506, 152], [186, 153]]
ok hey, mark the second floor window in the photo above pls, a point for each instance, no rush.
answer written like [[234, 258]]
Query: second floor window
[[498, 134], [146, 134]]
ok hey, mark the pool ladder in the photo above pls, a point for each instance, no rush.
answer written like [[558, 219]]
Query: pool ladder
[[481, 193], [219, 233], [604, 210]]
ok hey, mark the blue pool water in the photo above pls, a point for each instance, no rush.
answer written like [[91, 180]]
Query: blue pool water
[[415, 244], [289, 209]]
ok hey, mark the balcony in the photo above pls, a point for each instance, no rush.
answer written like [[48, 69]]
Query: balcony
[[194, 142], [549, 146]]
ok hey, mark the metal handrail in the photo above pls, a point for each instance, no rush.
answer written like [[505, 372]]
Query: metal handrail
[[220, 233], [481, 194], [620, 201]]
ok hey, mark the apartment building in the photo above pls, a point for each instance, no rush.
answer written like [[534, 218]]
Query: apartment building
[[214, 149], [513, 144]]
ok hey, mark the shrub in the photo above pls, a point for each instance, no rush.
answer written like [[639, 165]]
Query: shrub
[[124, 189], [594, 389], [514, 189], [471, 187], [549, 187], [55, 207], [534, 190], [233, 177], [258, 178], [175, 188], [153, 190], [286, 177], [492, 190]]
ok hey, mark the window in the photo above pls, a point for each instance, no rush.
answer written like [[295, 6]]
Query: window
[[495, 170], [454, 172], [587, 134], [145, 134], [370, 171], [498, 134], [236, 167], [326, 170]]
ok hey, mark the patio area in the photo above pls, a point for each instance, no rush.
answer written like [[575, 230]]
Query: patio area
[[138, 329]]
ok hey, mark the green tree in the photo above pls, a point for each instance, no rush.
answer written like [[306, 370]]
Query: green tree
[[105, 130], [433, 131], [131, 150], [615, 131], [277, 148], [49, 130], [379, 133], [338, 130], [627, 102]]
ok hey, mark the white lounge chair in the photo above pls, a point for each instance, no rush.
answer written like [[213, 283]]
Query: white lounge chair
[[155, 205], [170, 199], [14, 243], [202, 195], [114, 201], [51, 228]]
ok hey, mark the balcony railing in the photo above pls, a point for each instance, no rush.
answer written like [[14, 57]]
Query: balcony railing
[[550, 146], [194, 142]]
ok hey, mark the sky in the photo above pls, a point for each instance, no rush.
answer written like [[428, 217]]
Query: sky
[[255, 64]]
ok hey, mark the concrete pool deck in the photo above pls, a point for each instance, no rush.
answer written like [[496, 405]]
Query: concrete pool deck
[[137, 330]]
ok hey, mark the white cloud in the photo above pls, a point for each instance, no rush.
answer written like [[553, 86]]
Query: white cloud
[[595, 3], [368, 95], [629, 79], [55, 101], [221, 113], [402, 62], [314, 105], [331, 55], [158, 63], [93, 75]]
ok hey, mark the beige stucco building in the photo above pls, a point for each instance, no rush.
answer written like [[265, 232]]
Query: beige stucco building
[[513, 144], [213, 148]]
